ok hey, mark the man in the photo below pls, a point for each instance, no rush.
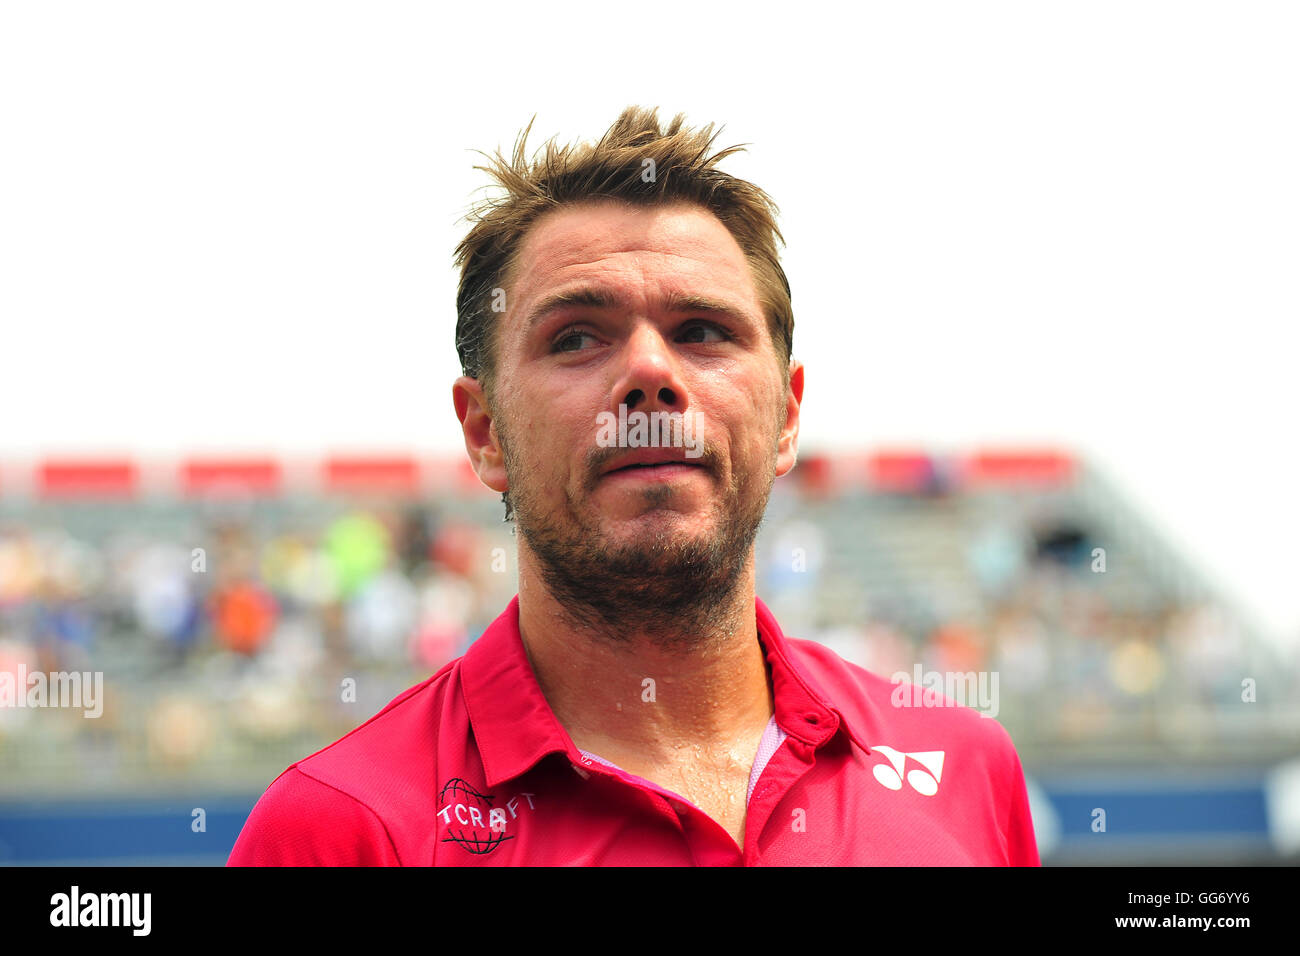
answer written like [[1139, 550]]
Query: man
[[636, 703]]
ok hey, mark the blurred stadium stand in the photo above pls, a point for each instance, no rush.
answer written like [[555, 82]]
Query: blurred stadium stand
[[231, 602]]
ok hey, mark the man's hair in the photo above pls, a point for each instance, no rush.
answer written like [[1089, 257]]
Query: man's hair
[[616, 167]]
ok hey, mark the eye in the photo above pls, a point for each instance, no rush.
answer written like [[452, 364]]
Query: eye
[[564, 342], [705, 329]]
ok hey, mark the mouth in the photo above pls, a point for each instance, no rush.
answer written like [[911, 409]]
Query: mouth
[[662, 470]]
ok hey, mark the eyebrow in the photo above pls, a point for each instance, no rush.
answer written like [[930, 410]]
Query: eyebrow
[[596, 298]]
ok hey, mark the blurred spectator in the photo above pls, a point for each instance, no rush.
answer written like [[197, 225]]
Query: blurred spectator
[[235, 636]]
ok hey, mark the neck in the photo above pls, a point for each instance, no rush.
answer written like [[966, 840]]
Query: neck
[[658, 696]]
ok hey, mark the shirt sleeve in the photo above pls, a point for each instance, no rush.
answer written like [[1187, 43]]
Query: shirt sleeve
[[300, 821]]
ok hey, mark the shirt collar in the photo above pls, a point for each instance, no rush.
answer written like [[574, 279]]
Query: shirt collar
[[514, 726]]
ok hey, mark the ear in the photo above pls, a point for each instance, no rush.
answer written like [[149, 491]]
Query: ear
[[788, 445], [481, 440]]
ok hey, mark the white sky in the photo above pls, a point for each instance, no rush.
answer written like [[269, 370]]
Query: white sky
[[229, 225]]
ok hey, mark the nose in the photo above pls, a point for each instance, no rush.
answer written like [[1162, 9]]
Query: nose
[[650, 378]]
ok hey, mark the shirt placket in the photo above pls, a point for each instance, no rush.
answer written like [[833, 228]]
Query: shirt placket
[[709, 844], [795, 758]]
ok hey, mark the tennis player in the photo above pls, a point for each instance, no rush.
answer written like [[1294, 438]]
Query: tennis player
[[625, 332]]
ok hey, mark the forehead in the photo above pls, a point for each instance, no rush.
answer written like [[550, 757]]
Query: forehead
[[680, 247]]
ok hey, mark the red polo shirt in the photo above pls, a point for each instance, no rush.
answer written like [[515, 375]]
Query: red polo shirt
[[471, 768]]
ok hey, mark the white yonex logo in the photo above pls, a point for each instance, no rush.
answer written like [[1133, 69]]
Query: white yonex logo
[[924, 782]]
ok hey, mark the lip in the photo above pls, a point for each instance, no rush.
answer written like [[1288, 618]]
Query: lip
[[653, 458], [658, 471]]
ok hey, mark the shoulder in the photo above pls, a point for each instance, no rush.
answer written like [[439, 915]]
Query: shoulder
[[896, 713], [301, 821], [400, 740], [969, 754], [338, 805]]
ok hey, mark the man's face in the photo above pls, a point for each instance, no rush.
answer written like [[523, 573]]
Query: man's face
[[657, 312]]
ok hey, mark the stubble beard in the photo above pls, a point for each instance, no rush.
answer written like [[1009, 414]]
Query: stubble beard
[[673, 588]]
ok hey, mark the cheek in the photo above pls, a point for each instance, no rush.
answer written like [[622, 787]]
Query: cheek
[[551, 437], [755, 420]]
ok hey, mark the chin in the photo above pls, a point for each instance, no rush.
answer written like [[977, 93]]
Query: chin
[[639, 526]]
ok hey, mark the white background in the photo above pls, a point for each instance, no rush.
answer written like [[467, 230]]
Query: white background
[[229, 225]]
